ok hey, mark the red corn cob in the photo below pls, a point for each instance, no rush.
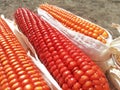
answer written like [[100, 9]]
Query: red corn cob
[[17, 71], [76, 23], [71, 68]]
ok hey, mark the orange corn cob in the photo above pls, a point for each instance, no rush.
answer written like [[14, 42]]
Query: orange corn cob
[[17, 71], [71, 68], [76, 23]]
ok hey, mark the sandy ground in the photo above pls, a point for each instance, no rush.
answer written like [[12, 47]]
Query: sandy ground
[[101, 12]]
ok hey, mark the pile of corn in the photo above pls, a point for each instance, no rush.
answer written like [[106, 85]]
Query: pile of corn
[[71, 68]]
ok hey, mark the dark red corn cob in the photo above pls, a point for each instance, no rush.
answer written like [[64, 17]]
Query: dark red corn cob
[[17, 70], [71, 68]]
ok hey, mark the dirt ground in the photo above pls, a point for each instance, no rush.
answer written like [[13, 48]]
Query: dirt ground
[[101, 12]]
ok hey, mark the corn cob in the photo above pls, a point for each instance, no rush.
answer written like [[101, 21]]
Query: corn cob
[[70, 67], [17, 71], [76, 23]]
